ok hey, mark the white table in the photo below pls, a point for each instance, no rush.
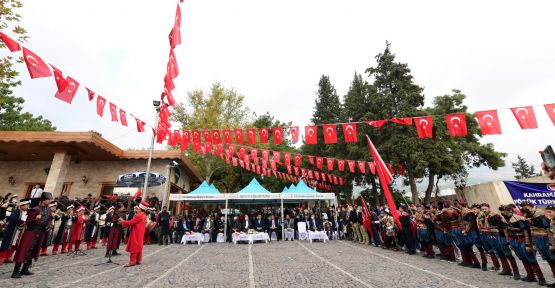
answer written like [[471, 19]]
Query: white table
[[250, 238], [194, 237], [317, 235]]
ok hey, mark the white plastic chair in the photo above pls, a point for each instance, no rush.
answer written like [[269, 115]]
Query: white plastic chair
[[220, 238], [289, 235], [273, 237], [206, 237], [301, 226]]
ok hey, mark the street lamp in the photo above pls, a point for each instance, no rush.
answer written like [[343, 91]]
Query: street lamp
[[156, 104]]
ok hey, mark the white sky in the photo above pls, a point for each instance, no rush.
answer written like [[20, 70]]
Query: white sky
[[499, 53]]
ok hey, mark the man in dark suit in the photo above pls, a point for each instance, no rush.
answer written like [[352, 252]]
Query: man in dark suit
[[247, 224], [197, 225], [273, 226], [314, 224], [259, 224]]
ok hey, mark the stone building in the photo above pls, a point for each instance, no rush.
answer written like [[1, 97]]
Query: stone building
[[82, 163]]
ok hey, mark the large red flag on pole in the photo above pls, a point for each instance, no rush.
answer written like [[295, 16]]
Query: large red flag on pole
[[385, 179], [366, 218]]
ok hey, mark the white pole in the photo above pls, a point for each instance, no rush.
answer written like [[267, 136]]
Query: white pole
[[225, 224], [282, 222], [168, 184], [150, 153]]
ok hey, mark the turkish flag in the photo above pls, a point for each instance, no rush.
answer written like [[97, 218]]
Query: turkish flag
[[298, 160], [208, 146], [316, 175], [372, 167], [234, 161], [242, 152], [456, 124], [251, 136], [161, 132], [239, 136], [185, 139], [294, 133], [61, 82], [278, 135], [489, 122], [231, 148], [310, 174], [376, 123], [265, 155], [164, 112], [526, 117], [263, 132], [277, 156], [330, 133], [287, 159], [10, 43], [207, 135], [296, 169], [264, 164], [197, 147], [351, 164], [340, 165], [168, 83], [100, 103], [216, 136], [289, 169], [350, 132], [303, 172], [69, 91], [196, 136], [311, 159], [227, 136], [550, 109], [402, 121], [319, 162], [273, 165], [36, 66], [173, 69], [324, 177], [423, 126], [330, 162], [140, 125], [362, 166], [91, 94], [168, 95], [311, 134], [175, 34], [242, 164], [171, 139], [254, 153], [401, 170], [123, 117]]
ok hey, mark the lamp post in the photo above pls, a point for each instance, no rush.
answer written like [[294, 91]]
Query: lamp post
[[156, 105]]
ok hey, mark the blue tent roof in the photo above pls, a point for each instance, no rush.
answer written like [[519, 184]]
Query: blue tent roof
[[301, 188], [292, 188], [214, 188], [285, 189], [254, 188], [204, 189]]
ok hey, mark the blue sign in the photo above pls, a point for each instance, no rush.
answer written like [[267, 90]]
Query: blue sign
[[540, 194]]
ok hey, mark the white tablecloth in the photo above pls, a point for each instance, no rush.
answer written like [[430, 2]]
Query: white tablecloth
[[250, 237], [317, 235], [195, 237]]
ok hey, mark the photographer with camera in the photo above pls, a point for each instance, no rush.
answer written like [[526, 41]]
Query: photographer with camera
[[548, 164]]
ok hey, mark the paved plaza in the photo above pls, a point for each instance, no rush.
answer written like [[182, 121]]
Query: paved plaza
[[277, 264]]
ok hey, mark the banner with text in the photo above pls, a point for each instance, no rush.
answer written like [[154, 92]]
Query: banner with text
[[540, 194]]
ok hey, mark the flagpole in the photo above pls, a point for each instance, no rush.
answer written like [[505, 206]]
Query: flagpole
[[156, 104]]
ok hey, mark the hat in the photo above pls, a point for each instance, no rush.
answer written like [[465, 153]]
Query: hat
[[24, 202], [143, 205], [46, 196], [70, 207], [54, 204], [81, 208], [97, 207], [111, 208]]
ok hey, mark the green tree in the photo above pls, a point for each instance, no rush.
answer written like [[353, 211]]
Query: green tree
[[11, 115], [523, 169], [219, 108]]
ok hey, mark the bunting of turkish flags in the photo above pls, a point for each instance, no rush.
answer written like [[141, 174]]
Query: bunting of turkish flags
[[351, 164], [341, 165], [100, 103], [489, 122], [251, 136], [227, 136], [36, 66], [456, 124], [140, 125], [330, 133], [294, 133], [263, 133], [287, 159], [123, 117], [185, 139], [550, 109], [423, 126], [330, 162], [319, 162], [311, 135], [361, 166], [350, 132], [68, 92], [298, 160], [525, 117], [196, 136], [239, 136], [207, 135], [278, 135], [376, 123], [216, 136], [175, 34], [402, 121], [10, 43], [91, 94]]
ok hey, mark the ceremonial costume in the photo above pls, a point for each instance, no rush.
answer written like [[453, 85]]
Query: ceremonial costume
[[91, 230], [539, 228], [77, 230], [424, 228], [470, 238], [115, 232], [440, 234], [486, 240], [63, 233], [498, 232], [12, 233], [135, 242], [451, 224]]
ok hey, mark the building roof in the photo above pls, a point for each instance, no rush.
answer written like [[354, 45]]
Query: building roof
[[83, 146]]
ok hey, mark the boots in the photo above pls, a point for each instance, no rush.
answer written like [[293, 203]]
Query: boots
[[494, 260], [552, 265], [464, 255], [25, 270], [530, 275], [539, 274], [55, 249], [16, 274], [43, 251], [506, 267], [475, 262], [8, 256], [93, 244], [89, 245], [516, 273]]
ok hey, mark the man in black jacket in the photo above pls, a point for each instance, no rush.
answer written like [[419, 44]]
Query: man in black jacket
[[164, 220]]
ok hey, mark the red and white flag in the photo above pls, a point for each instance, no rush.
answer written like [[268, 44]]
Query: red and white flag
[[140, 125], [330, 133], [114, 112], [550, 109], [330, 162], [10, 43], [402, 121], [351, 164], [185, 139], [311, 159], [173, 69], [298, 160], [385, 179], [100, 103], [456, 124], [196, 136], [525, 117], [277, 156], [251, 136], [319, 162], [341, 165], [423, 126], [91, 94], [278, 135], [287, 159], [376, 123], [68, 93], [372, 167], [36, 66], [239, 136], [489, 122], [175, 34], [265, 155], [61, 82], [227, 136], [350, 132], [207, 135], [311, 135], [361, 166], [294, 130], [122, 117], [216, 136]]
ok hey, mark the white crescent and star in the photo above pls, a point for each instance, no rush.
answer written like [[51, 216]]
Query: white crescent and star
[[517, 111], [32, 59], [458, 121], [329, 130], [310, 131], [488, 116], [349, 129], [423, 121]]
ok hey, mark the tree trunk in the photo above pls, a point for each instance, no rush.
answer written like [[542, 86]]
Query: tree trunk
[[413, 189], [430, 188], [375, 191]]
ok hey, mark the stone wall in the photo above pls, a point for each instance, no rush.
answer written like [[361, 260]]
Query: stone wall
[[98, 173]]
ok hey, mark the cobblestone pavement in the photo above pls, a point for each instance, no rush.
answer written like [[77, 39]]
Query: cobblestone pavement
[[277, 264]]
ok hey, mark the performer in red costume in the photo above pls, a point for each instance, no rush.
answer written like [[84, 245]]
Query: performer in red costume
[[137, 227], [76, 235]]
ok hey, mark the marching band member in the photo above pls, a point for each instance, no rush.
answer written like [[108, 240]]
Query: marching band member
[[63, 233], [115, 230], [37, 222], [77, 228], [137, 227], [14, 230], [50, 232], [91, 230], [103, 225]]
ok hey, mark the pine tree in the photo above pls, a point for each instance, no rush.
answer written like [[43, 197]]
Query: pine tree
[[523, 169]]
